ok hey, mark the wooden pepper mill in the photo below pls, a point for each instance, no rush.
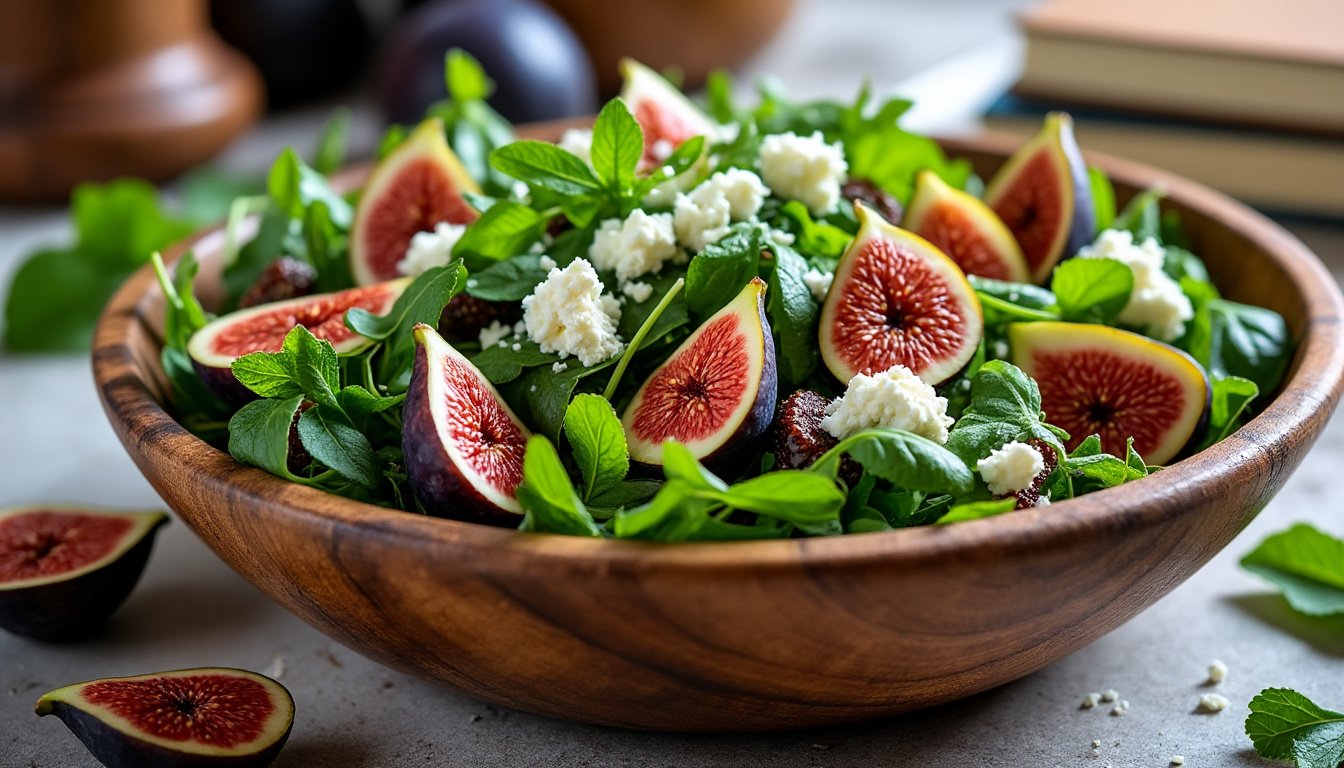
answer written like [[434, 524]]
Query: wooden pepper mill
[[92, 90]]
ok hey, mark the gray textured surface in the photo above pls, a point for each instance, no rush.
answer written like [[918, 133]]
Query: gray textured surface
[[192, 610]]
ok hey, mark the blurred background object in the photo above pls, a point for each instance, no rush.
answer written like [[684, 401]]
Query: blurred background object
[[95, 89]]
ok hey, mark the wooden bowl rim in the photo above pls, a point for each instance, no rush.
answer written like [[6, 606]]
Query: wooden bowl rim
[[1314, 384]]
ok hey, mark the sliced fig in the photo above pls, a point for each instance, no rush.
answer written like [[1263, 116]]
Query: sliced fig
[[63, 570], [716, 393], [284, 278], [463, 444], [965, 229], [898, 300], [1043, 195], [189, 717], [262, 329], [666, 115], [417, 186], [1099, 380]]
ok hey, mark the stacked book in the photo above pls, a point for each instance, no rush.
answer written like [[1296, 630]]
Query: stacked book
[[1245, 97]]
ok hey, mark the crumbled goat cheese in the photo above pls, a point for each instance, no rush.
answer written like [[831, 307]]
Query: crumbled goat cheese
[[634, 247], [494, 333], [1217, 671], [1011, 468], [1157, 304], [804, 168], [819, 283], [1120, 708], [1089, 701], [568, 314], [782, 237], [1109, 695], [431, 249], [894, 399], [1096, 743], [517, 347], [1212, 702], [702, 216], [559, 367], [578, 141], [611, 305], [536, 248], [1178, 759], [639, 292], [547, 263], [665, 194]]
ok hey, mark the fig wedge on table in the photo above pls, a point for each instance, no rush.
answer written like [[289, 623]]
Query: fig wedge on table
[[898, 300], [716, 393], [64, 570], [189, 718]]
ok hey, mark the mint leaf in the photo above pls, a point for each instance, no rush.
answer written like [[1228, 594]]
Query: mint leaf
[[331, 439], [1284, 724], [547, 166], [1005, 406], [1306, 565], [717, 273], [1092, 290], [547, 496], [506, 229], [816, 238], [793, 315], [618, 144], [316, 368], [269, 374], [259, 434], [598, 441], [901, 458], [465, 77]]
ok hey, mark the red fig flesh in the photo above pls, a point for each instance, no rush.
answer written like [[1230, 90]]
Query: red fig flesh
[[716, 394], [419, 185], [1100, 380], [965, 229], [898, 300], [463, 444], [667, 117], [63, 570], [189, 717]]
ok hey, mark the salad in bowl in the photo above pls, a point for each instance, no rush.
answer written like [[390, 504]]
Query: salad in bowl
[[710, 322]]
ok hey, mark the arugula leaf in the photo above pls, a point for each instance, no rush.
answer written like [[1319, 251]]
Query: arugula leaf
[[1179, 263], [906, 460], [717, 273], [1092, 290], [294, 187], [1232, 396], [816, 238], [977, 509], [1103, 198], [326, 247], [508, 280], [1143, 216], [196, 407], [548, 499], [1306, 565], [329, 437], [618, 144], [506, 229], [891, 158], [545, 165], [598, 441], [259, 434], [793, 315], [1285, 725], [1005, 406], [329, 155], [251, 260]]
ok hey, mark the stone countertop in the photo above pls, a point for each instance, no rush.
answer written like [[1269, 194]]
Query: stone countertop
[[191, 610]]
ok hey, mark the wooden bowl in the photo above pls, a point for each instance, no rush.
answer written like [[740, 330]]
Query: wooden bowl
[[747, 635]]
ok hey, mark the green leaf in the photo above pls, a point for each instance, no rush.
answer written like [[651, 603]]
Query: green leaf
[[1143, 216], [359, 403], [422, 302], [548, 497], [1006, 302], [793, 316], [118, 224], [802, 498], [259, 434], [268, 374], [315, 366], [1284, 724], [1103, 198], [253, 258], [618, 144], [903, 459], [718, 273], [1005, 406], [598, 441], [464, 76], [626, 493], [331, 439], [1232, 396], [1306, 565], [505, 230], [977, 509], [504, 364], [816, 238], [719, 94], [542, 396], [891, 157], [331, 145], [1246, 341], [547, 166], [680, 464], [294, 187], [1092, 290], [509, 280]]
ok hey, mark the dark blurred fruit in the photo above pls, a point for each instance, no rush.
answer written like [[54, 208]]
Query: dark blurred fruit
[[284, 278], [305, 49], [540, 70], [466, 316], [876, 197]]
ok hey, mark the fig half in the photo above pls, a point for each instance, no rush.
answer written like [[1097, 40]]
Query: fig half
[[189, 717], [1099, 380], [1043, 195], [965, 229], [419, 185], [898, 300], [214, 347], [64, 570], [715, 395], [463, 444], [667, 117]]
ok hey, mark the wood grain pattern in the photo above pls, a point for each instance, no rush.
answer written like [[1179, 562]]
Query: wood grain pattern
[[750, 635]]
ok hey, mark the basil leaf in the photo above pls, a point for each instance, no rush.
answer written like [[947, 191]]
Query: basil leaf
[[504, 364], [547, 166], [977, 509], [506, 229], [794, 496], [793, 316], [1250, 342], [330, 438], [618, 145], [901, 458], [595, 435], [680, 464], [259, 434], [548, 498], [1306, 565], [1092, 290], [509, 280], [422, 302], [718, 273]]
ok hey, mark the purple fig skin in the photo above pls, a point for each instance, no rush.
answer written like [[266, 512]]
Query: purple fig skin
[[743, 450], [1084, 226], [222, 384], [436, 480]]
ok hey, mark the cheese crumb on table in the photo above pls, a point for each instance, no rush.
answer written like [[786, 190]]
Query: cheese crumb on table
[[1217, 671], [635, 246], [430, 249], [1089, 701], [1157, 303], [893, 399], [1178, 759], [1120, 708], [1011, 468], [1212, 702], [568, 314], [804, 168], [1109, 695], [1096, 743]]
